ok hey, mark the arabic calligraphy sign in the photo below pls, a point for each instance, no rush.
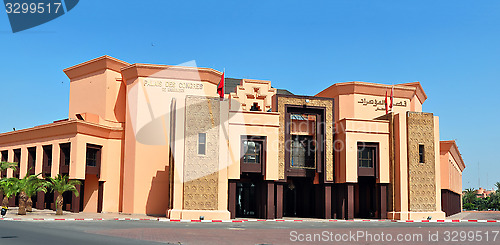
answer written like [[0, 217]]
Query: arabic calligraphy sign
[[380, 104]]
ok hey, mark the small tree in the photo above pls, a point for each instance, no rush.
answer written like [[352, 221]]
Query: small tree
[[62, 184], [21, 186], [7, 165], [7, 187], [35, 185]]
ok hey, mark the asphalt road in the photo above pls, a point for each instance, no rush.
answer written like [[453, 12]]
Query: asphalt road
[[154, 232]]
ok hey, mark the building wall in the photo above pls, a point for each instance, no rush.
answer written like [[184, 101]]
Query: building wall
[[452, 166], [422, 176], [244, 122], [96, 88], [354, 131], [201, 172]]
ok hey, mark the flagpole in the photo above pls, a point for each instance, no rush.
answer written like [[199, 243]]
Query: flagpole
[[224, 88]]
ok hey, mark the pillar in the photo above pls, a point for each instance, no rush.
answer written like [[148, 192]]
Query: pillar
[[350, 201], [75, 200], [279, 201], [383, 201], [327, 202], [270, 200], [40, 200]]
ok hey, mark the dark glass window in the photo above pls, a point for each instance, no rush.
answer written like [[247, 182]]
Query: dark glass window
[[303, 153], [49, 158], [421, 153], [17, 159], [202, 143], [303, 141], [252, 151], [5, 158], [31, 159], [65, 154], [92, 156], [366, 156]]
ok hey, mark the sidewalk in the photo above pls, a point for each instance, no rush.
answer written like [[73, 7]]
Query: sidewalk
[[50, 215]]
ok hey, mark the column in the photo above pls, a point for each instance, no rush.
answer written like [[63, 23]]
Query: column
[[279, 201], [327, 201], [270, 200], [75, 201], [350, 201], [231, 202]]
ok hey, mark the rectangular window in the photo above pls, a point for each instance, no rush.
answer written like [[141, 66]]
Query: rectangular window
[[92, 157], [5, 158], [17, 159], [253, 153], [46, 160], [65, 154], [421, 153], [366, 156], [202, 143], [31, 160], [303, 141], [47, 156], [252, 150]]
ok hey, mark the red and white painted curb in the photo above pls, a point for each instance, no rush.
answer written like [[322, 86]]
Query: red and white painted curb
[[250, 220]]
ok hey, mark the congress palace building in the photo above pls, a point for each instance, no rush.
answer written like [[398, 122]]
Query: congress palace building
[[158, 140]]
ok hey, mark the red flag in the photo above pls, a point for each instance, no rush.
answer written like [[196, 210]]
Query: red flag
[[220, 87], [386, 107], [392, 97]]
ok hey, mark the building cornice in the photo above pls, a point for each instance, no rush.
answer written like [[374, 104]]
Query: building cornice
[[406, 91], [451, 147], [134, 71], [95, 65], [61, 128]]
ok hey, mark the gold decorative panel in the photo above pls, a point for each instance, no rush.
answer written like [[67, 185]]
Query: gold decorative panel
[[282, 101], [421, 176], [201, 174]]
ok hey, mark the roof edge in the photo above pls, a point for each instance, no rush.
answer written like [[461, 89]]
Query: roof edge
[[93, 65]]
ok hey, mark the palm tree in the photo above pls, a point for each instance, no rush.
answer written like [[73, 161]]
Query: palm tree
[[62, 184], [20, 187], [7, 187], [497, 185], [35, 185], [4, 166]]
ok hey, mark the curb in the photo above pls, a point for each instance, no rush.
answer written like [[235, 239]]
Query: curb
[[248, 220]]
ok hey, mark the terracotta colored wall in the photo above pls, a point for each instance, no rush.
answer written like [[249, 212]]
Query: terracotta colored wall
[[90, 194], [243, 122], [437, 167], [451, 175], [401, 164], [351, 133], [101, 93], [146, 164], [254, 124]]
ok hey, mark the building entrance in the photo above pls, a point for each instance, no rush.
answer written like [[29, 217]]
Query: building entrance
[[250, 196], [365, 198], [299, 198]]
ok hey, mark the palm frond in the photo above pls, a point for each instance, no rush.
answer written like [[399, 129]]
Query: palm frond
[[62, 184], [7, 165]]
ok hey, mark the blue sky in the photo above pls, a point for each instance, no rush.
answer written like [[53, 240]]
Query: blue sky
[[451, 47]]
